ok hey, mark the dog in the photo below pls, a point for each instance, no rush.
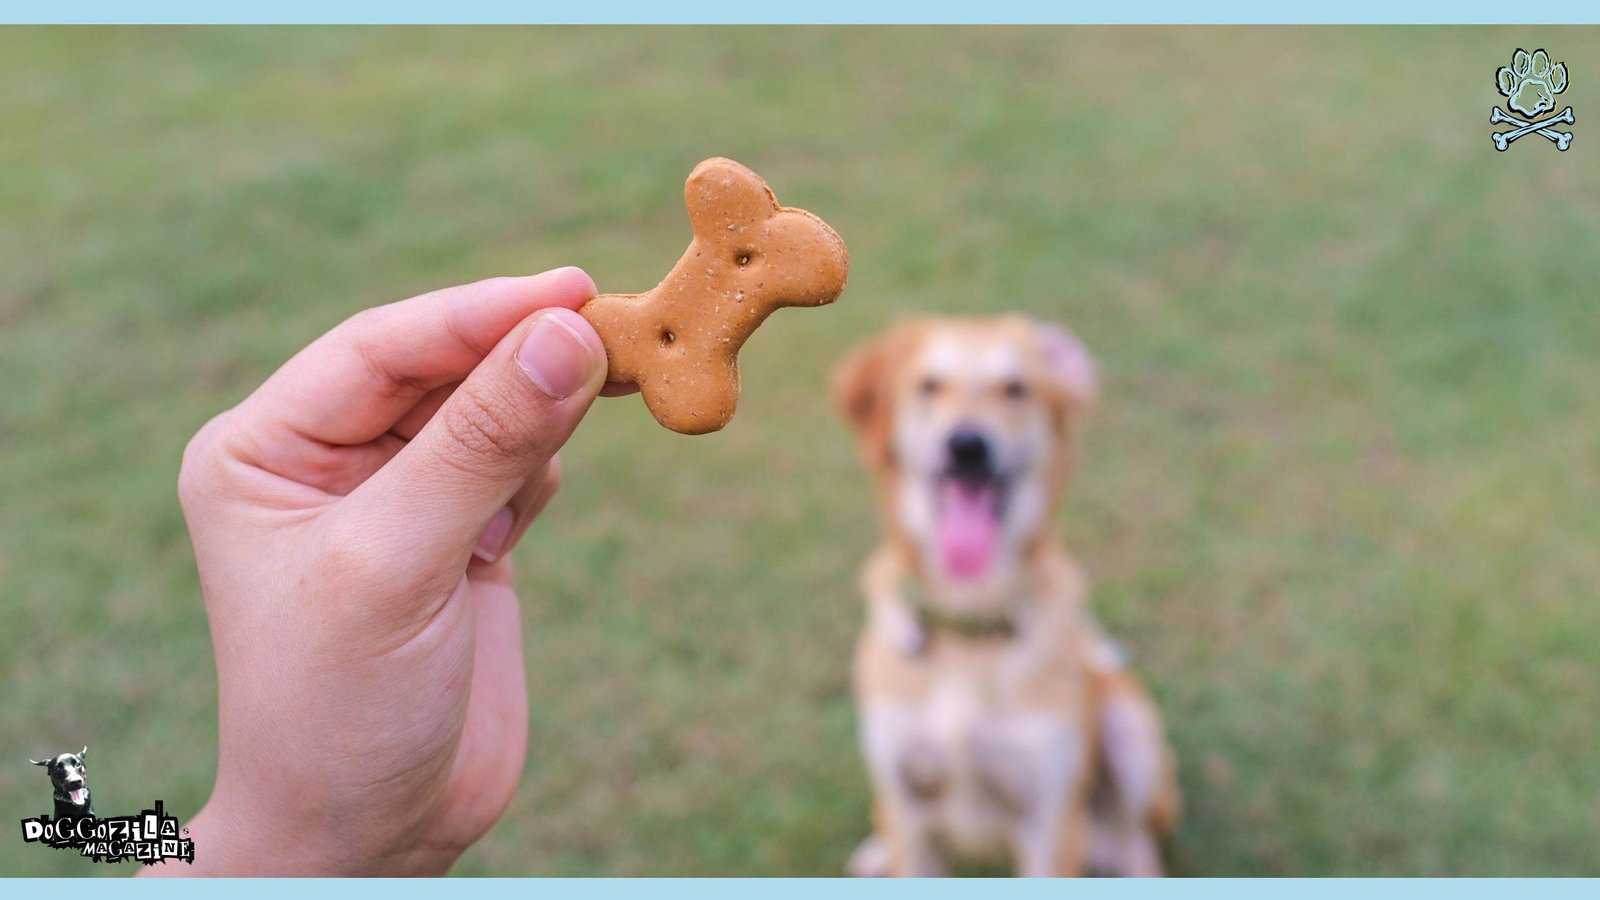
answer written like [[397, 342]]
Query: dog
[[67, 776], [998, 723]]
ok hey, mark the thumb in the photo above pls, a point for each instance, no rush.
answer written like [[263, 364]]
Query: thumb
[[426, 507]]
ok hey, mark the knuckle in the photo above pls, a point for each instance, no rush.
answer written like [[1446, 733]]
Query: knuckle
[[360, 321], [482, 430], [199, 471], [365, 335]]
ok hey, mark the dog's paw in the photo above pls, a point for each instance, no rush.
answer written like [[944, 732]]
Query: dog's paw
[[871, 859], [1531, 82]]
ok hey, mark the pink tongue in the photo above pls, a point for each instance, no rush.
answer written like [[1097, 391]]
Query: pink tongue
[[77, 795], [968, 530]]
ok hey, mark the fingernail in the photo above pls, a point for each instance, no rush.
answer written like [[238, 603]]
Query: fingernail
[[492, 542], [555, 355]]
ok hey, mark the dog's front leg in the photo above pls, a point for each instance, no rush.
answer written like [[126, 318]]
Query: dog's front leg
[[1052, 846], [1038, 766], [1142, 783], [912, 852], [906, 774]]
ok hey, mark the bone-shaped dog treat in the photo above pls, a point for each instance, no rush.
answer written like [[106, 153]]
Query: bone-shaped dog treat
[[680, 341]]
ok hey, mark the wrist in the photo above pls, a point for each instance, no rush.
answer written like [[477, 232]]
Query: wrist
[[233, 838], [231, 842]]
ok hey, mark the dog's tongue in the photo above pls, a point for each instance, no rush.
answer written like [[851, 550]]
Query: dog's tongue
[[968, 530], [78, 795]]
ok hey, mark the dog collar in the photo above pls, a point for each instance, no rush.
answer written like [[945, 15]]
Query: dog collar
[[1000, 625]]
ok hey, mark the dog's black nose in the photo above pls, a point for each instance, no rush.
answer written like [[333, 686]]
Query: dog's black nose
[[969, 454]]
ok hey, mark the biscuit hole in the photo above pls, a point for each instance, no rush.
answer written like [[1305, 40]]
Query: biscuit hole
[[743, 258], [668, 338]]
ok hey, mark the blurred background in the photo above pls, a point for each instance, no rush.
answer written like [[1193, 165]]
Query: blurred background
[[1339, 500]]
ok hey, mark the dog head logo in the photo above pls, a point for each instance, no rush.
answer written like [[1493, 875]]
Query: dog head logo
[[1530, 85], [68, 777], [149, 836]]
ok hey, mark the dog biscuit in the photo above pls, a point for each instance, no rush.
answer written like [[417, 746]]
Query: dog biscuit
[[679, 342]]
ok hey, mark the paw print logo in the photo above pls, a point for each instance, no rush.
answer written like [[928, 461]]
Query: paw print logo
[[1530, 85], [1531, 82]]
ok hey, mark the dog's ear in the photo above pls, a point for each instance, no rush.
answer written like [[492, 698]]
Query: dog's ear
[[39, 762], [1069, 367], [84, 752], [1073, 386], [861, 389], [1069, 370]]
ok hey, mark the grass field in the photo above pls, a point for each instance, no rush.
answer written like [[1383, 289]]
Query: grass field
[[1340, 500]]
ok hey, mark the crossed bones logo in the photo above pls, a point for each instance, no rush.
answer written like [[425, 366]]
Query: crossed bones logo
[[1530, 85]]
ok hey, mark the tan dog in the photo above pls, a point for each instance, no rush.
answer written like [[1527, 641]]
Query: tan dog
[[998, 723]]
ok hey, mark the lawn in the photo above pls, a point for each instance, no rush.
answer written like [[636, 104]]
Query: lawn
[[1339, 502]]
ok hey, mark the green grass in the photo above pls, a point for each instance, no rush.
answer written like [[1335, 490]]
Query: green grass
[[1339, 501]]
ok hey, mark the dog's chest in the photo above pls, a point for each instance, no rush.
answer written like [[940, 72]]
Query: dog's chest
[[972, 756]]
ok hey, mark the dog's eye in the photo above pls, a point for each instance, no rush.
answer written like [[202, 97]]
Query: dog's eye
[[1015, 390], [930, 386]]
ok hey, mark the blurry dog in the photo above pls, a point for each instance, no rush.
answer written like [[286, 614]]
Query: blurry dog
[[68, 777], [998, 723]]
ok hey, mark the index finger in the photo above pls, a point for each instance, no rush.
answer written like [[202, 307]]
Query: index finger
[[355, 382]]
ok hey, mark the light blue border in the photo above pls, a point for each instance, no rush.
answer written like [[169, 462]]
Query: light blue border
[[811, 11]]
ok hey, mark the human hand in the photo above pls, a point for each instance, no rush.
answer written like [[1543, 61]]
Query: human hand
[[351, 521]]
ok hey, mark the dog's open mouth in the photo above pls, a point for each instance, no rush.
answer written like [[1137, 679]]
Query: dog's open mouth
[[79, 796], [967, 535]]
